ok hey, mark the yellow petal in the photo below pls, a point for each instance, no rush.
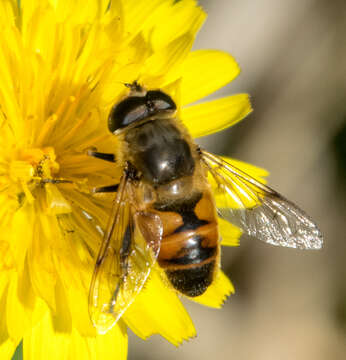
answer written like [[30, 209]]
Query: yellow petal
[[205, 71], [41, 267], [213, 116], [137, 14], [21, 234], [158, 310], [217, 292], [164, 66], [61, 315], [4, 279], [56, 203], [7, 349], [25, 291], [75, 291], [112, 345], [255, 171], [18, 319], [43, 343], [19, 316], [81, 13], [230, 234], [242, 195], [8, 12], [173, 21], [67, 275]]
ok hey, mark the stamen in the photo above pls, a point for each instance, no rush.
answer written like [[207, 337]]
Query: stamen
[[47, 128], [75, 128], [21, 170], [27, 192]]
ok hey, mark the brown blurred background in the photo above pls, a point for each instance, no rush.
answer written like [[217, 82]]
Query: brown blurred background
[[288, 304]]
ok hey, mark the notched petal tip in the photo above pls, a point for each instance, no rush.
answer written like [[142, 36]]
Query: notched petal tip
[[217, 293]]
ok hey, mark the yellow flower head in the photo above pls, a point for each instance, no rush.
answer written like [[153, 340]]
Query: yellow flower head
[[63, 64]]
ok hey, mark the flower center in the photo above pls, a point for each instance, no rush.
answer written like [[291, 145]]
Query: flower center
[[33, 167], [34, 164]]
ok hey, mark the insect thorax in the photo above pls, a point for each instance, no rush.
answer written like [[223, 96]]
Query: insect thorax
[[160, 152]]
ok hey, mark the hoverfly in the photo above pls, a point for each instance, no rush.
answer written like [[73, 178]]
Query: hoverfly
[[164, 211]]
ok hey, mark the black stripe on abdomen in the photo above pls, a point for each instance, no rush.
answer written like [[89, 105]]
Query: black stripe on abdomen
[[192, 253]]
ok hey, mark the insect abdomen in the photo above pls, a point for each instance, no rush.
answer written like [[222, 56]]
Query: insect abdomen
[[189, 265], [190, 244]]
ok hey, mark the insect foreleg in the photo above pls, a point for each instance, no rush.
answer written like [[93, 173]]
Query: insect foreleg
[[102, 156], [106, 189]]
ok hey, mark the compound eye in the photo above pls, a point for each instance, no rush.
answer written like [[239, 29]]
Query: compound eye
[[159, 101], [126, 112]]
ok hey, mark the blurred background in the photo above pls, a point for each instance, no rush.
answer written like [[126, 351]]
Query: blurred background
[[289, 304]]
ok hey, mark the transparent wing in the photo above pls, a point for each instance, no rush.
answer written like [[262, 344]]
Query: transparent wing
[[259, 210], [126, 256]]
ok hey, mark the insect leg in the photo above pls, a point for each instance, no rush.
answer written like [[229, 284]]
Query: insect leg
[[125, 249], [102, 156], [55, 181], [106, 189], [124, 253]]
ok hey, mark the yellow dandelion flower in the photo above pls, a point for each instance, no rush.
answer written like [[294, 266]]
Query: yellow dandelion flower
[[62, 67]]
